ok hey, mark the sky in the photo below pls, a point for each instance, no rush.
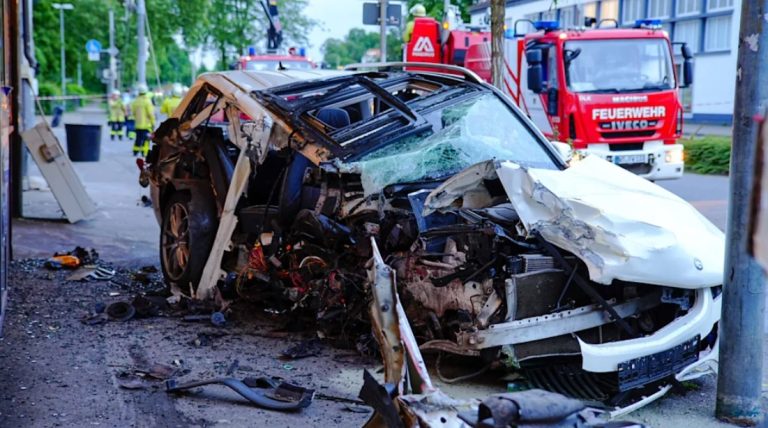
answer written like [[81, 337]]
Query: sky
[[336, 18]]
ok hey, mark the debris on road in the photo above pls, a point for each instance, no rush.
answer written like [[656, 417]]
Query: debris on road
[[263, 392], [121, 311], [303, 349]]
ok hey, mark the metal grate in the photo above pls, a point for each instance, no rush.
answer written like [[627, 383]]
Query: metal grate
[[572, 381]]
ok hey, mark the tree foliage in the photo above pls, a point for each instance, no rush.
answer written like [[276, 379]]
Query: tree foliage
[[352, 48], [435, 7], [177, 27]]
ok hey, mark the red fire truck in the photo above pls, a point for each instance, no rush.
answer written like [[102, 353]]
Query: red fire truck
[[610, 92], [272, 60]]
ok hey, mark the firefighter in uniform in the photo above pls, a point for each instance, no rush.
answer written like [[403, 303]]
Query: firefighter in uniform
[[417, 11], [116, 115], [144, 121], [170, 103], [130, 132]]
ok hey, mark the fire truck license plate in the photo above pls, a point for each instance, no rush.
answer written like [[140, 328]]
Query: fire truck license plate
[[629, 159]]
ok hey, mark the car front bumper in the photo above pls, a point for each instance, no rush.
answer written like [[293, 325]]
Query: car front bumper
[[662, 161]]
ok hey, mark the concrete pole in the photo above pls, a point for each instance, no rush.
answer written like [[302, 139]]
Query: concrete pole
[[141, 64], [383, 29], [498, 10], [739, 383], [63, 54], [112, 53]]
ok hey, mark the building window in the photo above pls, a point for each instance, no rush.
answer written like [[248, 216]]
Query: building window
[[633, 10], [569, 17], [609, 9], [718, 34], [688, 31], [549, 15], [659, 8], [716, 5], [688, 7], [590, 10]]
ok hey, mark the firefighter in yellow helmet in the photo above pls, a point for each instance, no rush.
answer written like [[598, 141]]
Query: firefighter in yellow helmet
[[116, 115], [144, 121], [417, 11], [170, 103]]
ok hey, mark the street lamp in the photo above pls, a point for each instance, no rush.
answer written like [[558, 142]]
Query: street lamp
[[62, 7]]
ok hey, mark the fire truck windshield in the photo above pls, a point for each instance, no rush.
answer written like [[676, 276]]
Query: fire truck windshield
[[614, 66], [268, 65]]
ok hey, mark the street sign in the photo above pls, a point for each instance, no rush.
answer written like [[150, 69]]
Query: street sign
[[94, 56], [371, 14], [93, 46]]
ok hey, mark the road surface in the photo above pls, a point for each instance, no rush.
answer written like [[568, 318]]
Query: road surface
[[708, 193]]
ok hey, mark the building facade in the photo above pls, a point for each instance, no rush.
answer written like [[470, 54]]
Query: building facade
[[709, 27]]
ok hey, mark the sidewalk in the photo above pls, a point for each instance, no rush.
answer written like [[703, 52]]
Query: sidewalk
[[123, 230], [701, 130]]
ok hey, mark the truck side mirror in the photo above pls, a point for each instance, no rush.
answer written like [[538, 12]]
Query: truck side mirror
[[687, 72], [533, 56], [536, 78], [535, 70], [552, 101]]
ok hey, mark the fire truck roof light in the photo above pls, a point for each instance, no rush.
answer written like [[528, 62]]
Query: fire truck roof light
[[648, 23], [546, 25], [251, 50]]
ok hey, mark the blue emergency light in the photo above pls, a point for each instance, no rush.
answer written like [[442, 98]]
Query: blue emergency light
[[546, 25], [648, 23], [251, 51]]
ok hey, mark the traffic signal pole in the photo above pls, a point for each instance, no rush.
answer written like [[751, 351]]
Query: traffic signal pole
[[739, 382]]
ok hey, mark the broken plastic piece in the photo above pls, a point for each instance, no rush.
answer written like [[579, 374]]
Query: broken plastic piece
[[63, 261], [217, 319], [263, 392]]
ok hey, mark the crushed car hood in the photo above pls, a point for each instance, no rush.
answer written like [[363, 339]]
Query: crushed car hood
[[622, 226]]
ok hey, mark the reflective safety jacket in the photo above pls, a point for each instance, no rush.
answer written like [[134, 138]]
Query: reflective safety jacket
[[169, 105], [116, 110], [143, 113]]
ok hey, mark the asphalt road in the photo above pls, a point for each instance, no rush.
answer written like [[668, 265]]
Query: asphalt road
[[708, 193]]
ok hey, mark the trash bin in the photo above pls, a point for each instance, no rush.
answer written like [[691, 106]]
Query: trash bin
[[83, 142]]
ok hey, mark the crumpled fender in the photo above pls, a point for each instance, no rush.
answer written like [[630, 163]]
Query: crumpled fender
[[621, 226]]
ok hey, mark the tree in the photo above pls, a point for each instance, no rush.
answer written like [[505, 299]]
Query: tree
[[352, 48], [435, 7], [235, 25], [498, 9]]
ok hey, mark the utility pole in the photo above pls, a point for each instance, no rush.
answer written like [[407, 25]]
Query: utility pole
[[498, 9], [739, 383], [141, 65], [112, 53], [383, 29], [61, 8]]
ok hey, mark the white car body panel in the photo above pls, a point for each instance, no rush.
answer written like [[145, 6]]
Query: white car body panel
[[622, 226]]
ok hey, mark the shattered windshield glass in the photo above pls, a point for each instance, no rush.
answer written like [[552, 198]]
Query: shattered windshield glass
[[462, 134]]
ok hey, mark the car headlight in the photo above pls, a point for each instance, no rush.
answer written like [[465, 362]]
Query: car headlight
[[674, 156]]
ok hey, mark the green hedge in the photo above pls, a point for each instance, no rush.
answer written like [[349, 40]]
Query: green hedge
[[708, 155], [51, 89]]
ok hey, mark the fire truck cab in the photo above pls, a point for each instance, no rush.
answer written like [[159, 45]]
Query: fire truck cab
[[609, 92]]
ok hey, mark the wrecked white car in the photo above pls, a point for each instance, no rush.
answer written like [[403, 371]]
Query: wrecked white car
[[588, 280]]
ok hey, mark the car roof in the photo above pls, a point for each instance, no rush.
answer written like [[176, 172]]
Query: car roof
[[248, 81]]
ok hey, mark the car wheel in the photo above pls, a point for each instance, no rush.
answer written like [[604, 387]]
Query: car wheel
[[186, 237]]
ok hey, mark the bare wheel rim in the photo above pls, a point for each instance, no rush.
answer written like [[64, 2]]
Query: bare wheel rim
[[175, 242]]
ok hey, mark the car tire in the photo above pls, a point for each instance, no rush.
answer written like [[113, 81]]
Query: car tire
[[186, 237]]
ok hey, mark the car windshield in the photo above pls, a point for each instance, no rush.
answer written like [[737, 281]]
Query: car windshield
[[613, 66], [266, 65], [462, 134]]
